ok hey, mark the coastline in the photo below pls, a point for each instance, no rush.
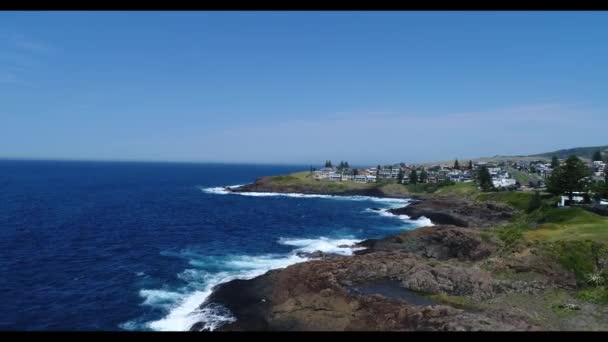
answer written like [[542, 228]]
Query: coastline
[[436, 277]]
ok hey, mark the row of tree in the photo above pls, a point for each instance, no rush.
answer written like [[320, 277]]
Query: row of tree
[[342, 165], [597, 156], [457, 165]]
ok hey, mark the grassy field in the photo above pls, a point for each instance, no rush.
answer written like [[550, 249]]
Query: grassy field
[[570, 224], [523, 177]]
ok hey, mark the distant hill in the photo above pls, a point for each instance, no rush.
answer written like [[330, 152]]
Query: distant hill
[[582, 152]]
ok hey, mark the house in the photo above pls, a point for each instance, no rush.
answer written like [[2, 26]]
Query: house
[[503, 182], [361, 178], [336, 177], [577, 198], [323, 173]]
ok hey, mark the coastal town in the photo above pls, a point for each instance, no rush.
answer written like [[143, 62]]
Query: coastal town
[[406, 174], [503, 175]]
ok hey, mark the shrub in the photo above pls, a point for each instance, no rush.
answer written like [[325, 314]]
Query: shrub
[[595, 279], [510, 236], [535, 202], [577, 256]]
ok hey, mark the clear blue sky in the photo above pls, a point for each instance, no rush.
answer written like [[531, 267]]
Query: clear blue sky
[[300, 87]]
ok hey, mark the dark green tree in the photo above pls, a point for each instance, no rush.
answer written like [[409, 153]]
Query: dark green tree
[[328, 163], [554, 162], [378, 173], [413, 177], [400, 176], [346, 165], [535, 202], [423, 176], [597, 156], [484, 179], [456, 165], [470, 165], [355, 172], [601, 190], [567, 178]]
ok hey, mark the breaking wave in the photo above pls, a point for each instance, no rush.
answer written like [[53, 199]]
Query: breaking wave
[[183, 305], [186, 306], [222, 191]]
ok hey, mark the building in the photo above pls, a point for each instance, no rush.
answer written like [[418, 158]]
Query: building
[[323, 173], [577, 198], [503, 182]]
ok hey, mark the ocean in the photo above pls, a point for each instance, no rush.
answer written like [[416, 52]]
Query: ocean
[[138, 246]]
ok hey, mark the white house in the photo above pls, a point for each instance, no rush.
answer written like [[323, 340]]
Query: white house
[[323, 173], [503, 182], [335, 177], [361, 178], [576, 198]]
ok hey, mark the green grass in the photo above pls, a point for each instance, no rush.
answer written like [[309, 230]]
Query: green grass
[[523, 178], [511, 236], [519, 200], [568, 224], [460, 189], [578, 257], [597, 295]]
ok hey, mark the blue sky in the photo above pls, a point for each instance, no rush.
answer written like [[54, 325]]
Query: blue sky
[[300, 87]]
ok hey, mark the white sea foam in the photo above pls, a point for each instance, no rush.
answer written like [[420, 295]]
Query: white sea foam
[[220, 190], [159, 297], [184, 305], [390, 201], [323, 244], [420, 222]]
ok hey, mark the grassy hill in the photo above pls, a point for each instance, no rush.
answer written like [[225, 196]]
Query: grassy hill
[[582, 152]]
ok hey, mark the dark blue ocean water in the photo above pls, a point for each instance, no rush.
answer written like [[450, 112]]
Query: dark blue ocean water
[[137, 246]]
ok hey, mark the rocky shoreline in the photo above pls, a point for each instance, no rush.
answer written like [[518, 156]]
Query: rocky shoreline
[[441, 277]]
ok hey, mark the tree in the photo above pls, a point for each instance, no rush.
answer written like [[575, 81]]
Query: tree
[[413, 177], [601, 190], [346, 165], [456, 165], [484, 179], [423, 176], [328, 163], [470, 165], [355, 172], [554, 162], [400, 176], [535, 202], [378, 173], [567, 178], [597, 156]]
